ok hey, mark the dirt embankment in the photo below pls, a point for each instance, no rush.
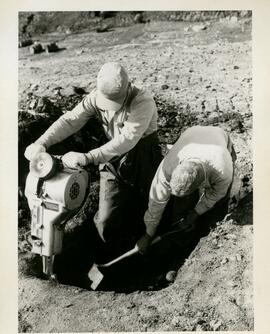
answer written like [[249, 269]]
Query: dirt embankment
[[198, 74]]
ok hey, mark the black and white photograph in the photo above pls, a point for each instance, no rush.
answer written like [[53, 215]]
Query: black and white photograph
[[135, 171], [134, 201]]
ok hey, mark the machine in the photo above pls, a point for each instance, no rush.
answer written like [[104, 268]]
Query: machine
[[54, 195]]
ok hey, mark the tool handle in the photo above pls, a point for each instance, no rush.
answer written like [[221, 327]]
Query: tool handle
[[131, 252]]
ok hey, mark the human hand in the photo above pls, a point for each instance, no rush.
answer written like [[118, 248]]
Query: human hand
[[74, 160], [143, 243], [188, 223], [32, 150]]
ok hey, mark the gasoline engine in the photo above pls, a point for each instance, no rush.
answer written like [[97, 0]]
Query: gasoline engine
[[54, 195]]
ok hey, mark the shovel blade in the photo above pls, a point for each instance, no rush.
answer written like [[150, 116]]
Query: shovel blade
[[96, 276]]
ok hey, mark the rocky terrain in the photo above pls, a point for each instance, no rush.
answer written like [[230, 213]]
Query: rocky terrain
[[199, 72]]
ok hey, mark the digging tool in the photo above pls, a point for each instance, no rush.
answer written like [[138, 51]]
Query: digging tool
[[95, 274]]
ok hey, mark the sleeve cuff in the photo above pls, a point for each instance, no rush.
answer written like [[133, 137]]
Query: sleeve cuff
[[199, 210], [89, 157]]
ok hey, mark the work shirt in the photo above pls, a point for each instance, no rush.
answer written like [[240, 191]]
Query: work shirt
[[136, 119], [210, 146]]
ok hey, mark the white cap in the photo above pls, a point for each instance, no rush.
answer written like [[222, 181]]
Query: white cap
[[112, 85]]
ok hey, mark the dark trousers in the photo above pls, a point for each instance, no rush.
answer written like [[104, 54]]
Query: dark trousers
[[123, 197]]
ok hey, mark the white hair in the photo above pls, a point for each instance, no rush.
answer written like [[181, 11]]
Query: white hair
[[186, 178]]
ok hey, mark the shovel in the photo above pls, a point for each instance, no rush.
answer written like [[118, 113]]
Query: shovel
[[95, 274]]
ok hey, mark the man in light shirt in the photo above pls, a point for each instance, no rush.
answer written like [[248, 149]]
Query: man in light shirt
[[127, 161], [202, 160]]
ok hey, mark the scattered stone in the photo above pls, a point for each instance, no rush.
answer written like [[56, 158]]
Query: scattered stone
[[21, 214], [225, 260], [239, 257], [234, 19], [104, 28], [198, 28], [25, 42], [232, 236], [138, 18], [214, 242], [52, 47], [79, 52], [243, 13], [68, 305], [35, 48], [79, 90], [245, 178], [215, 324], [164, 87], [171, 276], [199, 328], [44, 105], [231, 284], [176, 320], [33, 104]]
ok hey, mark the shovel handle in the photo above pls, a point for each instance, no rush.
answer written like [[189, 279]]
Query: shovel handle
[[133, 251]]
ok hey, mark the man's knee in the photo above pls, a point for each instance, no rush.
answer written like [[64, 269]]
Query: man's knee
[[108, 225]]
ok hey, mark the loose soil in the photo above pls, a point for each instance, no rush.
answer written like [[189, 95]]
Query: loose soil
[[196, 77]]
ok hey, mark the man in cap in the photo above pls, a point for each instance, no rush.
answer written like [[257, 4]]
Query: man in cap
[[195, 175], [127, 161]]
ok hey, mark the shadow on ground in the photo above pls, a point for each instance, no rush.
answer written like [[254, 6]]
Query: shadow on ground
[[144, 273]]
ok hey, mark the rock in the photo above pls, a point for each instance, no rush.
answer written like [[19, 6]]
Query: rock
[[44, 105], [26, 42], [199, 328], [215, 324], [238, 257], [225, 260], [231, 284], [176, 320], [52, 47], [232, 236], [79, 90], [21, 214], [245, 178], [198, 28], [214, 242], [234, 19], [186, 29], [68, 305], [35, 48], [171, 276], [79, 52], [244, 13], [236, 67], [104, 28], [33, 104], [164, 87], [138, 18]]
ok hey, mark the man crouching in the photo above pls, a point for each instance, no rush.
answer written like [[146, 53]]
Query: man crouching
[[193, 177]]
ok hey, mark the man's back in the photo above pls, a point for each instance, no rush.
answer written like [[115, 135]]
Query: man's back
[[197, 142]]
